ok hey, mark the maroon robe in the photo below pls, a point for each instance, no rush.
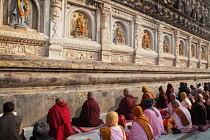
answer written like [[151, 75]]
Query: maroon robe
[[163, 100], [169, 90], [90, 114], [126, 106], [58, 119]]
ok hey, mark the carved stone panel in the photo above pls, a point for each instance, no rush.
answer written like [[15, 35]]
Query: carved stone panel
[[21, 49], [80, 55], [122, 58]]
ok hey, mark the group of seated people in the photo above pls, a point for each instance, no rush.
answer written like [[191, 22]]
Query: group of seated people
[[181, 110]]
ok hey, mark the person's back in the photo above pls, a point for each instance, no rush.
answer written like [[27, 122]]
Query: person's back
[[90, 114], [10, 125], [146, 95], [198, 111], [58, 119], [154, 116], [141, 126], [126, 105]]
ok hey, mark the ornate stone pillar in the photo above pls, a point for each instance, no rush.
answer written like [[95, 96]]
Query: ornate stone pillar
[[106, 33], [1, 12], [199, 54], [56, 24], [160, 42], [176, 47], [137, 38], [207, 55], [190, 51]]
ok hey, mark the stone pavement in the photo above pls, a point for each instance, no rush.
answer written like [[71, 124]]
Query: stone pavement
[[94, 135]]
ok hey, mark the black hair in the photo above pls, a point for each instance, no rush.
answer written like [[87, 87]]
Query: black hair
[[8, 107]]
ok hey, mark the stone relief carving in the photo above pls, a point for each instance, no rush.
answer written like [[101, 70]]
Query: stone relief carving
[[118, 33], [21, 49], [166, 62], [55, 15], [79, 25], [121, 58], [80, 55], [146, 43], [147, 61]]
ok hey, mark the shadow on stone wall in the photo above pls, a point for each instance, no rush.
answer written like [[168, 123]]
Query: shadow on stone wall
[[117, 102]]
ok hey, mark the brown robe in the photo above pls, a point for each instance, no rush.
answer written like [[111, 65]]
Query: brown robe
[[126, 106], [198, 113], [90, 115], [145, 96]]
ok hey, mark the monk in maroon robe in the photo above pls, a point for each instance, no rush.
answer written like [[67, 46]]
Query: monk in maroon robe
[[162, 101], [58, 119], [126, 105], [90, 114]]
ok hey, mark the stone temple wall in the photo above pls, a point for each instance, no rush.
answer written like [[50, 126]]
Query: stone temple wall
[[65, 48]]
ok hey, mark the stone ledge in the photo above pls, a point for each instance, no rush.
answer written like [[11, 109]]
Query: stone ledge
[[15, 62]]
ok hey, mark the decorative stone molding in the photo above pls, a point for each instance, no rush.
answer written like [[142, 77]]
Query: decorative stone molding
[[76, 44], [121, 49], [80, 55], [22, 37], [120, 14], [21, 49], [122, 58]]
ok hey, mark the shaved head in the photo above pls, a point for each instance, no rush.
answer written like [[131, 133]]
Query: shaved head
[[205, 96], [59, 100], [90, 94], [172, 96], [125, 91], [197, 97], [175, 104]]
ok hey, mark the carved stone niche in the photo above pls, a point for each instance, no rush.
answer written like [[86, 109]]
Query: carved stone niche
[[203, 53], [181, 48], [166, 45], [21, 13], [146, 40], [193, 51], [80, 25], [119, 34]]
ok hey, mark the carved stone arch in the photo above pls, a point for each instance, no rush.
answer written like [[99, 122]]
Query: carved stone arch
[[151, 38], [167, 41], [124, 27], [91, 20]]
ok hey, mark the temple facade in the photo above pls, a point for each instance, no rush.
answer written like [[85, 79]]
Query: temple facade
[[53, 48]]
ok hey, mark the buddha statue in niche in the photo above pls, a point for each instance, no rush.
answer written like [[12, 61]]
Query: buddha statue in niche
[[181, 49], [118, 33], [20, 13], [146, 41], [166, 47], [79, 25]]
